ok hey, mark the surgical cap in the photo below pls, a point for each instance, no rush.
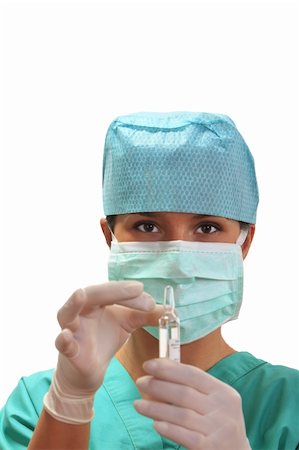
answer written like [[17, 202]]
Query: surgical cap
[[180, 162]]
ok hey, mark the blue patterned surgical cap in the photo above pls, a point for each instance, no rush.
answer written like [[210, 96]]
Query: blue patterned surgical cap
[[180, 162]]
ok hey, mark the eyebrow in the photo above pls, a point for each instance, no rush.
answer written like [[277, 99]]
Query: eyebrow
[[195, 216], [149, 214]]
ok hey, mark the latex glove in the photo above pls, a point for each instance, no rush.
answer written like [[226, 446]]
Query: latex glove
[[191, 407], [96, 322]]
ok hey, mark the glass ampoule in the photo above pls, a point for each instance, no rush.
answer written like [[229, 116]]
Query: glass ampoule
[[169, 328]]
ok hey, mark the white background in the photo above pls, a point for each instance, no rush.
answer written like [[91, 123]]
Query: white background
[[68, 68]]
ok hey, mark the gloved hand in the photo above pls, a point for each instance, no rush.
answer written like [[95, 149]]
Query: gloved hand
[[96, 322], [192, 407]]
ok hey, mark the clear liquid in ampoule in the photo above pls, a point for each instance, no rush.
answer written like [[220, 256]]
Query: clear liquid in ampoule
[[169, 328]]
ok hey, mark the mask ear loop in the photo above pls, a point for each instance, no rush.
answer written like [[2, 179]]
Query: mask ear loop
[[113, 237], [243, 235]]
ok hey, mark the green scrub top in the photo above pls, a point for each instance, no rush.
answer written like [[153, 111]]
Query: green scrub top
[[270, 399]]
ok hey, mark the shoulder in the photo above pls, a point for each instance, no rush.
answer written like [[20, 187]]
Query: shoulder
[[270, 400], [20, 414], [279, 381], [30, 390], [42, 378], [268, 373], [37, 385], [254, 377], [277, 372], [264, 374]]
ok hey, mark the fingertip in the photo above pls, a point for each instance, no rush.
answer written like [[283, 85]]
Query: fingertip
[[81, 293], [136, 404], [150, 365], [161, 427], [140, 406], [160, 366], [136, 283], [133, 287], [68, 312], [78, 298], [148, 302]]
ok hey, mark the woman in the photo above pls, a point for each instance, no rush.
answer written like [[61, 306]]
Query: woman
[[180, 198]]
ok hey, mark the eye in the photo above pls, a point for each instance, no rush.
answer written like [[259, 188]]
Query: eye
[[147, 227], [207, 228]]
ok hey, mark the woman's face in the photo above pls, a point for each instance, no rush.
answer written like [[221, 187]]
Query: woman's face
[[170, 226]]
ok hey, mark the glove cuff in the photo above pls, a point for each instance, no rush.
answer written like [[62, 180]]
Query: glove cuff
[[68, 409]]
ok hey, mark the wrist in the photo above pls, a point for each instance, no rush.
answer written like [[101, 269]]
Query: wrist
[[68, 408]]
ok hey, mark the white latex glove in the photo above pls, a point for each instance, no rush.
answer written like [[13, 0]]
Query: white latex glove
[[96, 322], [191, 407]]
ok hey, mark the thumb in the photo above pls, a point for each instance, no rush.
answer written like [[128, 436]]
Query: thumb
[[66, 344]]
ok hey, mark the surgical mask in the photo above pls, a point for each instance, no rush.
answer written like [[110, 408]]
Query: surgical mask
[[207, 279]]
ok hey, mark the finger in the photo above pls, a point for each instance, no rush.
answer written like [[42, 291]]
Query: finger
[[176, 394], [113, 292], [184, 417], [101, 295], [131, 319], [144, 302], [168, 370], [187, 438], [69, 312], [66, 344]]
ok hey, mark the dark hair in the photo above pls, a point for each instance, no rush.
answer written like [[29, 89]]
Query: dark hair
[[111, 221]]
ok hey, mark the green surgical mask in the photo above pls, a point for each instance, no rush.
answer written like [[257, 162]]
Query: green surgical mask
[[207, 279]]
